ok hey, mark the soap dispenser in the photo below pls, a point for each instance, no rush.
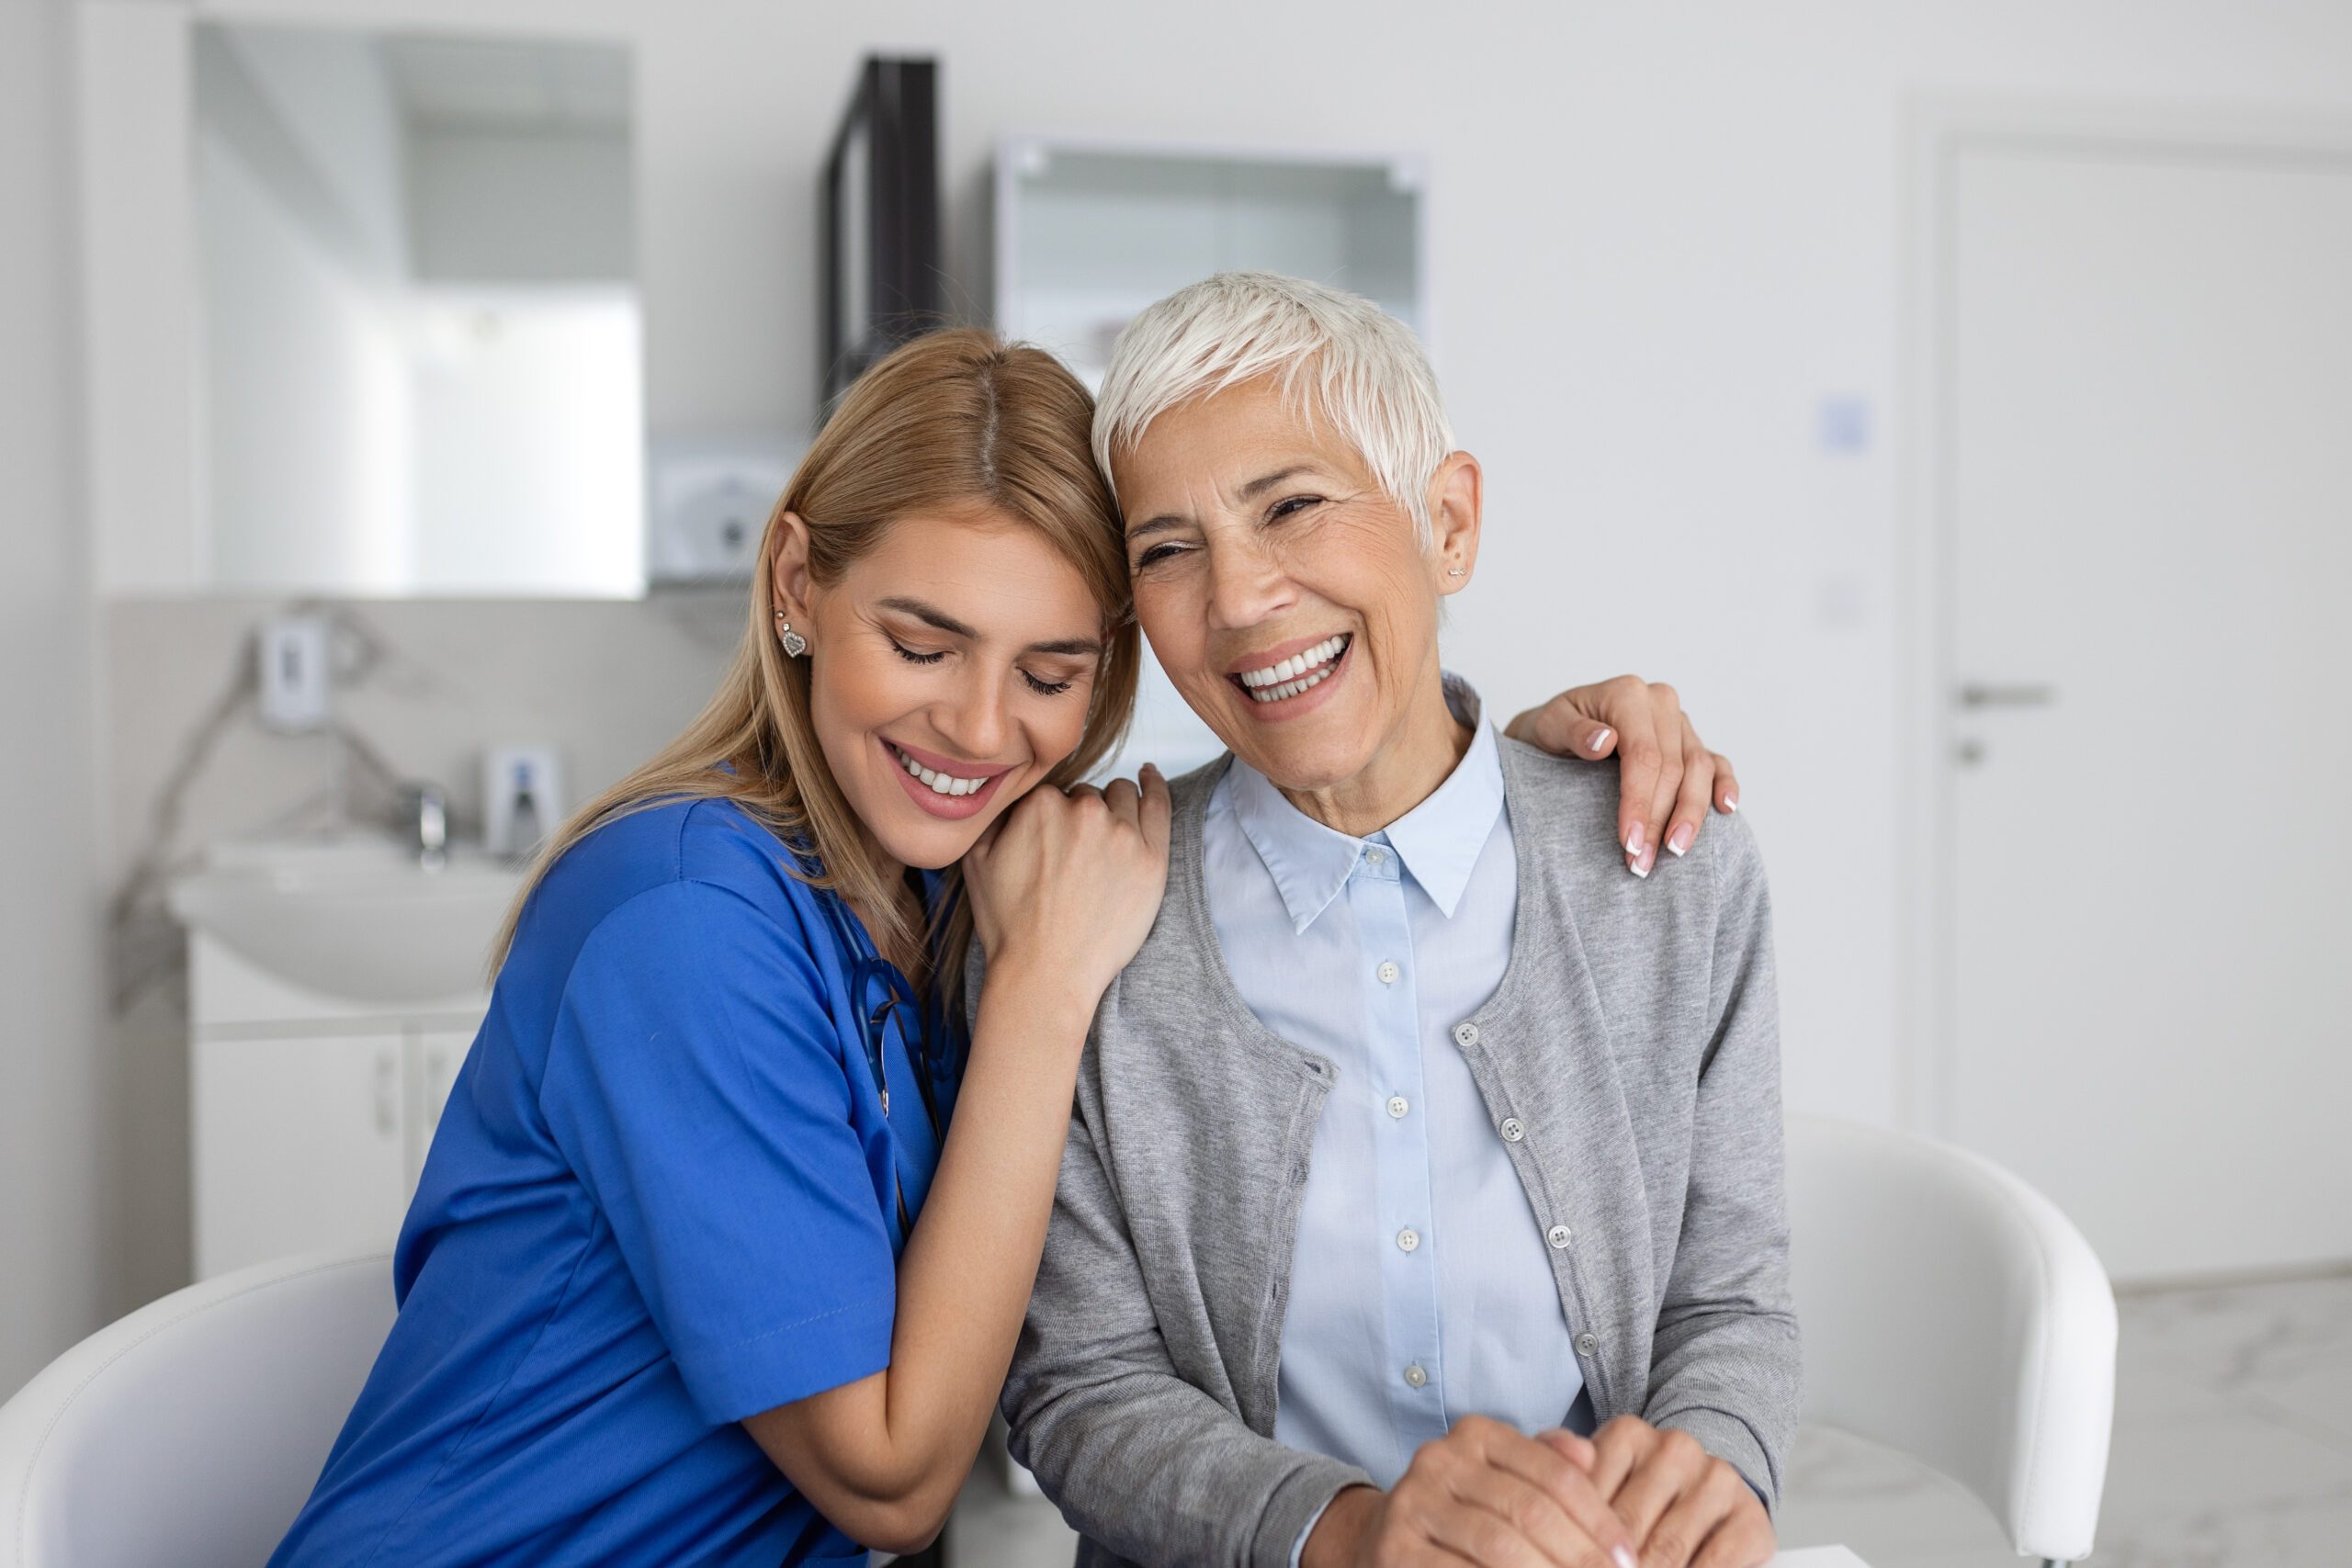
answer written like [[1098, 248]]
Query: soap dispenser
[[521, 798]]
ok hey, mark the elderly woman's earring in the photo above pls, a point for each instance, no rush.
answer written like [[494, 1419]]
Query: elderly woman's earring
[[795, 645], [1455, 571]]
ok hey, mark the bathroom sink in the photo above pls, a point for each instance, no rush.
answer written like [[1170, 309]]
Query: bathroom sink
[[359, 918]]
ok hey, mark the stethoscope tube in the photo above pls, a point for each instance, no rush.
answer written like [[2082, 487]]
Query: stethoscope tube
[[868, 965]]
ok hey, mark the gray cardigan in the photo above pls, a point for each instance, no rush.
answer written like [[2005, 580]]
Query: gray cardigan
[[1632, 1038]]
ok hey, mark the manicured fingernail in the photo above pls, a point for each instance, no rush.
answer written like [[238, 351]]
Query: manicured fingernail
[[1623, 1559], [1634, 840], [1637, 868], [1680, 840], [1597, 740], [1730, 803]]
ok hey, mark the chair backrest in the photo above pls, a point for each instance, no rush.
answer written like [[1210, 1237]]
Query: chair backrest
[[1950, 1311], [191, 1431]]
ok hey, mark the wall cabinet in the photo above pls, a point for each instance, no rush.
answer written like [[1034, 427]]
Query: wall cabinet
[[1088, 231], [311, 1117]]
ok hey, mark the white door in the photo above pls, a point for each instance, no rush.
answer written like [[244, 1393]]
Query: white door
[[2147, 435], [300, 1144]]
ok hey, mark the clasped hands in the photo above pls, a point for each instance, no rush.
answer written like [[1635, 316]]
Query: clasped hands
[[1630, 1497]]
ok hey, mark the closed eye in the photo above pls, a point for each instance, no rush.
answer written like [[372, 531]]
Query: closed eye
[[1046, 688], [1158, 553], [1291, 506], [912, 657]]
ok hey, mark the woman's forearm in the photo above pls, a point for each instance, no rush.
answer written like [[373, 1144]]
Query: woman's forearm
[[965, 1279], [885, 1457]]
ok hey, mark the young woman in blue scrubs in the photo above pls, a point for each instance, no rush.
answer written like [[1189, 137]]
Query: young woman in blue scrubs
[[662, 1298], [698, 1271]]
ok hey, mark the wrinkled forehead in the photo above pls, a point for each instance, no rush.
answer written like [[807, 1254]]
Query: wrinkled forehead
[[1230, 439]]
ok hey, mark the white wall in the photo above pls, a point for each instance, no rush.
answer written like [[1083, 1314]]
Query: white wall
[[53, 1230]]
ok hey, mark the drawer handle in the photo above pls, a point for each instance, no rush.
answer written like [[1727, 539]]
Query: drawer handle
[[388, 1071]]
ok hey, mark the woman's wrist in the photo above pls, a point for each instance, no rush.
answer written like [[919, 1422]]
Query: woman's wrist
[[1338, 1536], [1038, 999]]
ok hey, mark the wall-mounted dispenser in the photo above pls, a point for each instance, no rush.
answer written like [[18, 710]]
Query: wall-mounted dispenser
[[293, 676], [521, 798]]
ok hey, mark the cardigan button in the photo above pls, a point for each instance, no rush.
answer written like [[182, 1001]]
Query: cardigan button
[[1559, 1236], [1513, 1129], [1465, 1034], [1588, 1346]]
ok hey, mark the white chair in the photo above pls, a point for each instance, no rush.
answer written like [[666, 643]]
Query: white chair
[[190, 1432], [1950, 1311]]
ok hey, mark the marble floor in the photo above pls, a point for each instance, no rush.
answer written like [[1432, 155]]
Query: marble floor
[[2233, 1450]]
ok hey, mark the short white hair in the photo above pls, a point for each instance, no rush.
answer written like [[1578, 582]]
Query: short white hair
[[1337, 355]]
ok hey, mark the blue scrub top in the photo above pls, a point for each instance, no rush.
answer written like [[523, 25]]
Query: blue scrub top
[[664, 1196]]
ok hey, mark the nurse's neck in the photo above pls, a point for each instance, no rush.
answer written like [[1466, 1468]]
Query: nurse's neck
[[903, 897]]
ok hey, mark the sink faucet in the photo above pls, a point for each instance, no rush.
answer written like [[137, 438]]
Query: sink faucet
[[426, 810]]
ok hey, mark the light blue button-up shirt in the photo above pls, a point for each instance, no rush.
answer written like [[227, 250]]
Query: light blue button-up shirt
[[1421, 1291]]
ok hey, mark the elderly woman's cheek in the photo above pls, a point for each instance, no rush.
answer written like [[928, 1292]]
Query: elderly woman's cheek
[[1171, 607], [1403, 616]]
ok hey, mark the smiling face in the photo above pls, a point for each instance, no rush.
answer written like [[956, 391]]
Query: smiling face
[[950, 670], [1288, 597]]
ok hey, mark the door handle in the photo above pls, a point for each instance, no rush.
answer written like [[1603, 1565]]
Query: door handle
[[1984, 694]]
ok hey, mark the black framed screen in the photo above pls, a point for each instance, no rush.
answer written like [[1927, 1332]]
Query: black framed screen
[[880, 219]]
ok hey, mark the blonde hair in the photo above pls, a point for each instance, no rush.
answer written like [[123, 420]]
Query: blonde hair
[[950, 420], [1337, 354]]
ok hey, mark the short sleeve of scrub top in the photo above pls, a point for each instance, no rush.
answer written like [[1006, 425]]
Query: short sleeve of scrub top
[[697, 1088]]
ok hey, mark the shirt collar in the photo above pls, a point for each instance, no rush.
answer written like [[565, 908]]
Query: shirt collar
[[1438, 842]]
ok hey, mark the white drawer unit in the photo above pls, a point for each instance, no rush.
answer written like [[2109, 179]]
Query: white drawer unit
[[310, 1135], [333, 992]]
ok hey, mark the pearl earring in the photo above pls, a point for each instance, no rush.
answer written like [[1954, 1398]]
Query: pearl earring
[[1455, 571], [795, 645]]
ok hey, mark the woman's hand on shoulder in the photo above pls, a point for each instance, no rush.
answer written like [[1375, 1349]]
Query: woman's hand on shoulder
[[1064, 887], [1668, 778]]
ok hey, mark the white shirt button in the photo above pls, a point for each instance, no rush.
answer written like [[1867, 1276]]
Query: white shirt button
[[1398, 1105], [1513, 1130], [1414, 1376], [1559, 1236], [1388, 973], [1587, 1345], [1465, 1034], [1408, 1239], [1375, 855]]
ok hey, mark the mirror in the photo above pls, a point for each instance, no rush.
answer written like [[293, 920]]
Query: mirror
[[419, 363]]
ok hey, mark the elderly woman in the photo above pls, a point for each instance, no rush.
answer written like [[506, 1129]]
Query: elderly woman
[[1423, 1197]]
